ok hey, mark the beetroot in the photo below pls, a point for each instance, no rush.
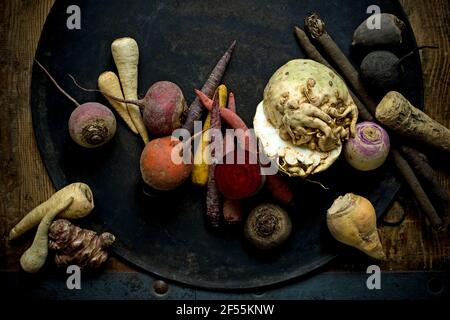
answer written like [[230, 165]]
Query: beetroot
[[239, 180], [164, 108]]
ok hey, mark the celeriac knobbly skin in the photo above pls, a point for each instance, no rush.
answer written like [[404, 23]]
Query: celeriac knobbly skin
[[310, 105]]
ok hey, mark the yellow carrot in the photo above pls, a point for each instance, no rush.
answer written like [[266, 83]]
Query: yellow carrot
[[125, 52], [109, 83], [200, 170]]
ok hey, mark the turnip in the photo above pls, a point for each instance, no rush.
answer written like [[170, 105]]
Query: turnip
[[91, 124], [369, 148]]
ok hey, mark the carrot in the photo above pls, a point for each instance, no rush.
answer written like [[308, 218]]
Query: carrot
[[81, 206], [125, 52], [34, 258], [213, 205], [109, 83], [279, 189], [231, 102], [232, 119], [232, 211], [201, 158], [195, 109]]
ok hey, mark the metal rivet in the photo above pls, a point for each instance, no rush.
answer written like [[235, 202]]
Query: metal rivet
[[160, 287], [435, 286]]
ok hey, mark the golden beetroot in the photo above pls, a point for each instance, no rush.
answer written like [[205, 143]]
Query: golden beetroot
[[158, 168]]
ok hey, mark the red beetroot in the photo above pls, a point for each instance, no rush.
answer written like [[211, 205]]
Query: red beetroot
[[239, 180], [163, 108]]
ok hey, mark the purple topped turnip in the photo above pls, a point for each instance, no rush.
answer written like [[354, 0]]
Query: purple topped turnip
[[369, 148]]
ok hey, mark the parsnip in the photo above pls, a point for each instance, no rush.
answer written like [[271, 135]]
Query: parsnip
[[109, 83], [125, 52], [81, 206], [34, 258], [398, 114]]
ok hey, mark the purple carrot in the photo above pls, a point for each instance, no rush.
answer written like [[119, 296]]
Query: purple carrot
[[213, 203], [210, 86]]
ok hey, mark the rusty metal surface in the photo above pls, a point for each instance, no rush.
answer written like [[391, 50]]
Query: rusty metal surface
[[180, 41]]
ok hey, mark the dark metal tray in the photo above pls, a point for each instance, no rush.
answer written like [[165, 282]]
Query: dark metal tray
[[180, 41]]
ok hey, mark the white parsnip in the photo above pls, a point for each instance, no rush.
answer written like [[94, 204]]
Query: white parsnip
[[81, 206], [34, 258], [125, 52], [109, 83]]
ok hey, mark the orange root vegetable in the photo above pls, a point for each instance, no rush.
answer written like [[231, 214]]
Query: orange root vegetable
[[232, 119], [232, 211], [125, 52], [34, 258], [109, 82], [81, 206], [279, 189], [195, 109], [352, 220], [158, 169]]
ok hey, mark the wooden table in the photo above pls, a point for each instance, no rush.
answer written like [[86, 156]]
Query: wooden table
[[24, 182]]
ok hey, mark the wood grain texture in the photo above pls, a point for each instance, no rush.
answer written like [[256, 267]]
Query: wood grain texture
[[24, 182]]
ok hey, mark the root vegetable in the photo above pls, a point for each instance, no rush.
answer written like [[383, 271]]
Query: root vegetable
[[125, 52], [419, 163], [310, 105], [81, 206], [214, 210], [82, 247], [241, 179], [369, 149], [316, 27], [389, 34], [352, 220], [414, 184], [232, 211], [279, 189], [91, 124], [398, 114], [164, 110], [267, 227], [231, 102], [210, 86], [313, 54], [380, 71], [201, 158], [109, 83], [231, 118], [34, 258], [158, 169]]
